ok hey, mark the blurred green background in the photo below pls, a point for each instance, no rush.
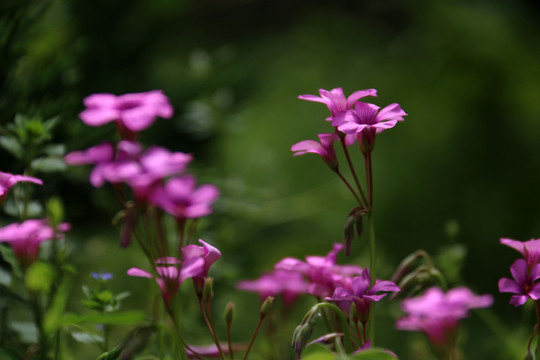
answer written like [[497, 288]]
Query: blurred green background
[[461, 172]]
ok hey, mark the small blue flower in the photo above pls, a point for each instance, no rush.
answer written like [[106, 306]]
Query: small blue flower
[[102, 276]]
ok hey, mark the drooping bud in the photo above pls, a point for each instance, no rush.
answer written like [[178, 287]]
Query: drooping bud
[[353, 221], [208, 290], [408, 264], [266, 306], [229, 312], [300, 338]]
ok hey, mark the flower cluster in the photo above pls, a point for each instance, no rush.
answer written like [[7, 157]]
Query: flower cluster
[[524, 271], [321, 277], [352, 120], [155, 175]]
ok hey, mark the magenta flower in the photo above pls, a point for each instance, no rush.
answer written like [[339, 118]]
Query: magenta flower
[[132, 112], [362, 294], [438, 314], [366, 120], [325, 149], [523, 285], [529, 249], [7, 181], [336, 102], [322, 272], [129, 164], [208, 254], [288, 284], [26, 237], [180, 198], [170, 273]]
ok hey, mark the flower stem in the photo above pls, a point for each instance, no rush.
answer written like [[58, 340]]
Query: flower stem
[[261, 318], [537, 328], [346, 151], [229, 341], [211, 319], [349, 186]]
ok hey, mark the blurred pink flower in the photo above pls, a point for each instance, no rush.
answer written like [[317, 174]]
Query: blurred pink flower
[[523, 284], [325, 149], [336, 101], [170, 273], [134, 112], [180, 198], [321, 271], [7, 181], [360, 292], [129, 164], [437, 314], [26, 237], [288, 284]]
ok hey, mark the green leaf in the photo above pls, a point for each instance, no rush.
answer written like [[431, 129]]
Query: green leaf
[[48, 164], [39, 277], [55, 210], [87, 338], [317, 352], [374, 354], [51, 320], [9, 257], [118, 318], [12, 145]]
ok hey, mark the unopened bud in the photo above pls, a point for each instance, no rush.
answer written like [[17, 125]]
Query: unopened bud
[[354, 221], [229, 312], [407, 265], [300, 338], [266, 306], [208, 290]]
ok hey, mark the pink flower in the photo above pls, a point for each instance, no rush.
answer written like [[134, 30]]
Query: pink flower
[[529, 249], [170, 273], [26, 237], [336, 102], [129, 164], [523, 285], [438, 314], [132, 112], [289, 284], [207, 253], [365, 120], [325, 149], [323, 273], [362, 294], [180, 198], [7, 181]]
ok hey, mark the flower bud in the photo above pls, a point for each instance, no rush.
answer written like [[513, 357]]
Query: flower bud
[[266, 306], [300, 338], [354, 220], [229, 312], [208, 290]]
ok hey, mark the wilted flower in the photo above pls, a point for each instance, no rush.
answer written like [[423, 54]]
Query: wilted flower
[[170, 273], [325, 149], [25, 238], [336, 102], [288, 284], [523, 285], [437, 314], [362, 294], [7, 181], [131, 112], [207, 253], [529, 249], [180, 198]]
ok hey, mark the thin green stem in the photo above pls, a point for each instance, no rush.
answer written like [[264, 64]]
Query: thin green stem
[[261, 318], [229, 341], [343, 319], [353, 172], [372, 271], [180, 349], [537, 328], [369, 180], [211, 320]]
